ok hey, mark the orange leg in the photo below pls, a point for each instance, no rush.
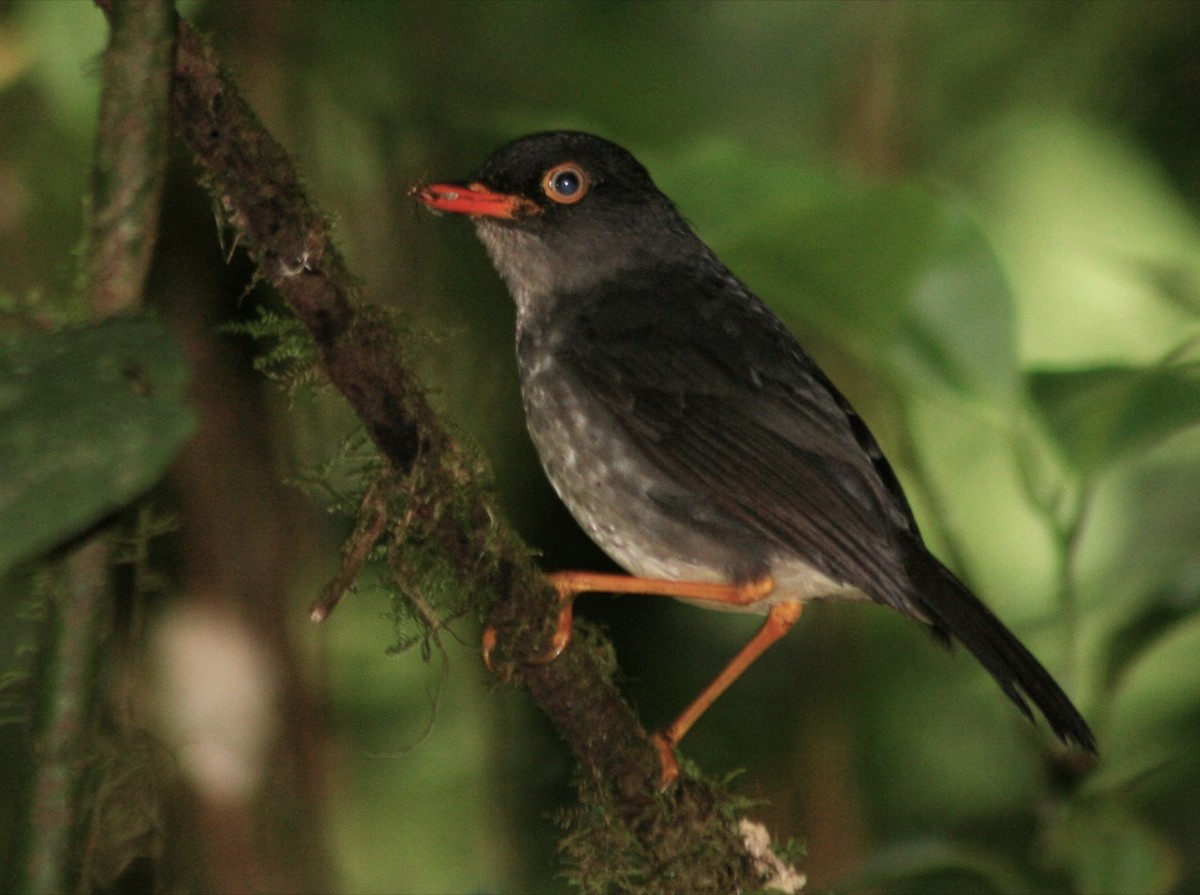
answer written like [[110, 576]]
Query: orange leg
[[779, 621], [570, 584]]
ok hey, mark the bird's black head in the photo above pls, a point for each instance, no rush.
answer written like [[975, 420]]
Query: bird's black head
[[559, 170], [563, 210]]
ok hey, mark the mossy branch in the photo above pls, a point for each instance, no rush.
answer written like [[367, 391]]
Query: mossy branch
[[684, 840]]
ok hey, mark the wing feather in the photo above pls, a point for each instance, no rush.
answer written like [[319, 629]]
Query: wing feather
[[720, 398]]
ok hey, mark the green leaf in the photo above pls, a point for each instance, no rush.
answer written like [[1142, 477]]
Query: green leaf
[[90, 417], [960, 328], [1102, 415], [901, 278], [938, 865], [1151, 729], [1109, 849]]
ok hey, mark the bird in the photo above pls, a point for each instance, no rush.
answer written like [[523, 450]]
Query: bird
[[689, 433]]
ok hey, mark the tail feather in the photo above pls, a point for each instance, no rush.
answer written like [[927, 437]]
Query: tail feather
[[956, 612]]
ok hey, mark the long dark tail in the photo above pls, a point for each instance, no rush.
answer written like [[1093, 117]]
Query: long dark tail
[[957, 612]]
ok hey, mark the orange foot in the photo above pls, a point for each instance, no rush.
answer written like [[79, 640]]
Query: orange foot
[[569, 585], [666, 760]]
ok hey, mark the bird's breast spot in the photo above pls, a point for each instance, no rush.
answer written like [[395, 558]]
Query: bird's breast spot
[[543, 365], [579, 421]]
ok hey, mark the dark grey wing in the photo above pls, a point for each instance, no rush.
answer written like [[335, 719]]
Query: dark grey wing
[[717, 394]]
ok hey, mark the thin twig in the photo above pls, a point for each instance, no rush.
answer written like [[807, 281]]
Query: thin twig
[[129, 169], [76, 611]]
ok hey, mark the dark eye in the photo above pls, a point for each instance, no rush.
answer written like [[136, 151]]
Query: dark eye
[[566, 183]]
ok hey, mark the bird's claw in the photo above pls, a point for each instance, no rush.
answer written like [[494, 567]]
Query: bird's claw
[[487, 643], [561, 638], [559, 641], [666, 760]]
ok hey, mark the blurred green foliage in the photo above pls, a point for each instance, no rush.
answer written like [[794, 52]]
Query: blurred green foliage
[[982, 218], [90, 417]]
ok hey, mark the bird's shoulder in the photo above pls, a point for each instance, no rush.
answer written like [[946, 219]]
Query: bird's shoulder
[[687, 328]]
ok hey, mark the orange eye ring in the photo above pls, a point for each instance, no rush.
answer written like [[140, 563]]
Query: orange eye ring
[[567, 183]]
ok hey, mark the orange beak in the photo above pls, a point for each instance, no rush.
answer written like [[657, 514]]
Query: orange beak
[[473, 199]]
